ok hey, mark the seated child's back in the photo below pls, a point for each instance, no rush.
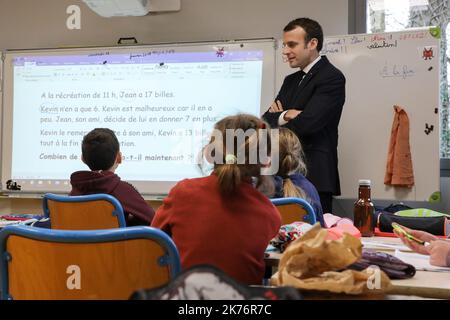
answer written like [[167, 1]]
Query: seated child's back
[[100, 152], [222, 219]]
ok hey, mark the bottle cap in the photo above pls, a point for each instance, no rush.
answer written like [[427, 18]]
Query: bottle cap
[[364, 182]]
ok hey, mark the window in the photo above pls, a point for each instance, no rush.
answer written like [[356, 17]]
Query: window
[[397, 15]]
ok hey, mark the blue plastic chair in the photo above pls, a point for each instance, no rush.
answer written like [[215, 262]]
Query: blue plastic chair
[[39, 263], [294, 209], [88, 212]]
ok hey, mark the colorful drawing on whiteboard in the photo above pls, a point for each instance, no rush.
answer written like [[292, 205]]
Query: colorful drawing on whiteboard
[[427, 54], [220, 52], [435, 197], [435, 32]]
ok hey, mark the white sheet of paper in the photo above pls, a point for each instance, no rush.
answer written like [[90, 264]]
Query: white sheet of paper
[[419, 261], [384, 246]]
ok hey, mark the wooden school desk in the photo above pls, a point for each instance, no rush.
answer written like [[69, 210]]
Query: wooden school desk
[[425, 284]]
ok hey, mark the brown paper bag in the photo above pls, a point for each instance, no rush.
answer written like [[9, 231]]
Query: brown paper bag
[[314, 263]]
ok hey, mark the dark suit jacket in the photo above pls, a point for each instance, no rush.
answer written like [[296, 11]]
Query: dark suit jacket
[[320, 96]]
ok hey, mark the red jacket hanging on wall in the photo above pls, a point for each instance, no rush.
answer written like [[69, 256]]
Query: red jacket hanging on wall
[[399, 168]]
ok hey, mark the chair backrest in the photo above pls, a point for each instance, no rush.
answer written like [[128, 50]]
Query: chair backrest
[[50, 264], [89, 212], [294, 209]]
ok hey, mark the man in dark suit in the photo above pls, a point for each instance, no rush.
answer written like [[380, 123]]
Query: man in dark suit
[[310, 103]]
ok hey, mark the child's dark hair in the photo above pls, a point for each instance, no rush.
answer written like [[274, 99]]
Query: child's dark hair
[[100, 148], [291, 161], [236, 159]]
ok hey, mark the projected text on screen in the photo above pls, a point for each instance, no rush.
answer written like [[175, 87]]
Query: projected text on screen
[[161, 105]]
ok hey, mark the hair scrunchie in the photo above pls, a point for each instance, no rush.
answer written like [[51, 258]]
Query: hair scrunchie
[[230, 159]]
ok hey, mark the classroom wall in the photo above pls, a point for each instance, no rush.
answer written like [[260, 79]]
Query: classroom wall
[[38, 24], [42, 24]]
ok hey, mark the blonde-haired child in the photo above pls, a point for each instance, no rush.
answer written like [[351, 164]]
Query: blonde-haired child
[[290, 181]]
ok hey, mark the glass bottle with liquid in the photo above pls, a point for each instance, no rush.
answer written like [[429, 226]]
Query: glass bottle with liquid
[[364, 210]]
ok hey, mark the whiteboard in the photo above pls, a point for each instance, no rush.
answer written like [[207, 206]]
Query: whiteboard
[[161, 100], [383, 70]]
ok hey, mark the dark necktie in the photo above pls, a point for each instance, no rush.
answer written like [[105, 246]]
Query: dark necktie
[[301, 75]]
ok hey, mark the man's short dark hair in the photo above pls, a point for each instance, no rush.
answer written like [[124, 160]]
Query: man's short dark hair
[[311, 27], [100, 148]]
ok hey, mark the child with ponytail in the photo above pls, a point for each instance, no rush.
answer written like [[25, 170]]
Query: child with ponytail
[[222, 219]]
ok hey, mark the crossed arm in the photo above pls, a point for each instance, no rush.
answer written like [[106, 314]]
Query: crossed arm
[[278, 107], [326, 101]]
